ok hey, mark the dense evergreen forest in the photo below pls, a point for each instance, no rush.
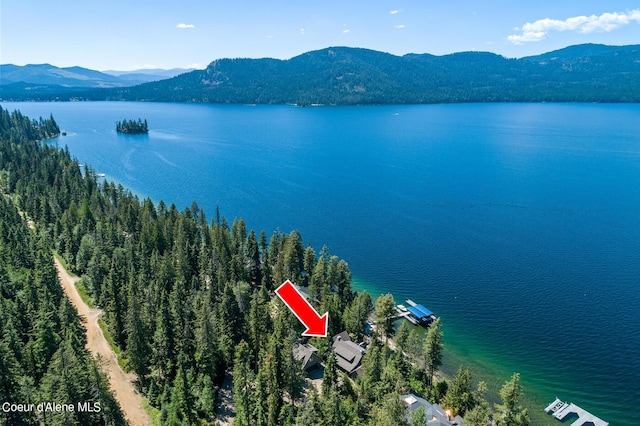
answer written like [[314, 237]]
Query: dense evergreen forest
[[352, 76], [132, 126], [42, 342], [189, 301]]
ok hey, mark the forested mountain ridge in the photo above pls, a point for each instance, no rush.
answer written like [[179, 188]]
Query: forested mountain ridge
[[350, 76]]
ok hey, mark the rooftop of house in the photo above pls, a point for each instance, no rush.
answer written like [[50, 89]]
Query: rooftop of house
[[304, 351], [436, 415], [348, 353]]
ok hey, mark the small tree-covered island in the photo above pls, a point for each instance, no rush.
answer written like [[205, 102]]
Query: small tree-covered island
[[189, 306], [132, 126]]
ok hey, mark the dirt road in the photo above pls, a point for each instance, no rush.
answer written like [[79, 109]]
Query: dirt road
[[121, 383], [226, 408]]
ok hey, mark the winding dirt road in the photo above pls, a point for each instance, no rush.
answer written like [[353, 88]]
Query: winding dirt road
[[121, 383]]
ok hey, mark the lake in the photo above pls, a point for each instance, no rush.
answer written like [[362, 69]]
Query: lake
[[518, 224]]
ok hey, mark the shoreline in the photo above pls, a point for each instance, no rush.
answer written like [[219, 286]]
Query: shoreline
[[468, 343], [482, 369]]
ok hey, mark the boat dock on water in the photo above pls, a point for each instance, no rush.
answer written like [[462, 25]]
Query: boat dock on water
[[566, 411], [402, 312], [415, 313]]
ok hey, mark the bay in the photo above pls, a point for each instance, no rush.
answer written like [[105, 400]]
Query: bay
[[518, 224]]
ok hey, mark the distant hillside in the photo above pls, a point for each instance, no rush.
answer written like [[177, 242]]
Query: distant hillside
[[40, 92], [49, 80], [51, 75], [148, 74], [348, 76]]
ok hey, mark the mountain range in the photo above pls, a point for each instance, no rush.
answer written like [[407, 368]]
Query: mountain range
[[349, 76], [79, 77]]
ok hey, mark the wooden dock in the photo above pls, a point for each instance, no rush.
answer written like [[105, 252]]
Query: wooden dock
[[561, 410]]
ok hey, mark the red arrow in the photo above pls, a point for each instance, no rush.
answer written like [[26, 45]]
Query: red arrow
[[301, 308]]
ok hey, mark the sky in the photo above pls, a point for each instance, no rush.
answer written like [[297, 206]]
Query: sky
[[138, 34]]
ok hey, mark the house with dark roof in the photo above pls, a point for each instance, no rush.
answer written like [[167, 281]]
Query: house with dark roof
[[348, 353], [308, 355], [435, 414]]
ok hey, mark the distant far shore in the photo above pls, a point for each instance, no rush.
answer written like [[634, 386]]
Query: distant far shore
[[354, 76]]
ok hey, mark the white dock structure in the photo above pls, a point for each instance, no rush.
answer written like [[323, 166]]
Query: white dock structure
[[400, 313], [560, 410]]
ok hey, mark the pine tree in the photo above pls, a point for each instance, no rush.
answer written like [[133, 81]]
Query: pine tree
[[372, 365], [477, 416], [182, 399], [392, 412], [253, 257], [110, 413], [73, 330], [206, 397], [385, 312], [310, 413], [260, 323], [333, 411], [356, 315], [260, 412], [414, 344], [460, 397], [402, 336], [318, 278], [242, 385], [308, 264], [10, 391], [293, 257], [61, 383], [231, 321], [329, 378], [163, 344], [138, 350], [419, 417], [510, 413], [207, 352], [433, 350], [44, 344]]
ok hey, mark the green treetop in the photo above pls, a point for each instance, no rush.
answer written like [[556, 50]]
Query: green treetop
[[132, 126]]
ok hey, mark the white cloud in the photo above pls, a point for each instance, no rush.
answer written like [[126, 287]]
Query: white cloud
[[393, 12], [399, 26], [184, 26], [346, 31], [301, 31], [538, 30]]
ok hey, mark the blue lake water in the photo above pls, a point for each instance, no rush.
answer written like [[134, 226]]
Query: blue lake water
[[518, 224]]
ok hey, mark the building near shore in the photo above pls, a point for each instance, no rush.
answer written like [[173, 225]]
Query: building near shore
[[348, 354], [308, 355], [436, 415]]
